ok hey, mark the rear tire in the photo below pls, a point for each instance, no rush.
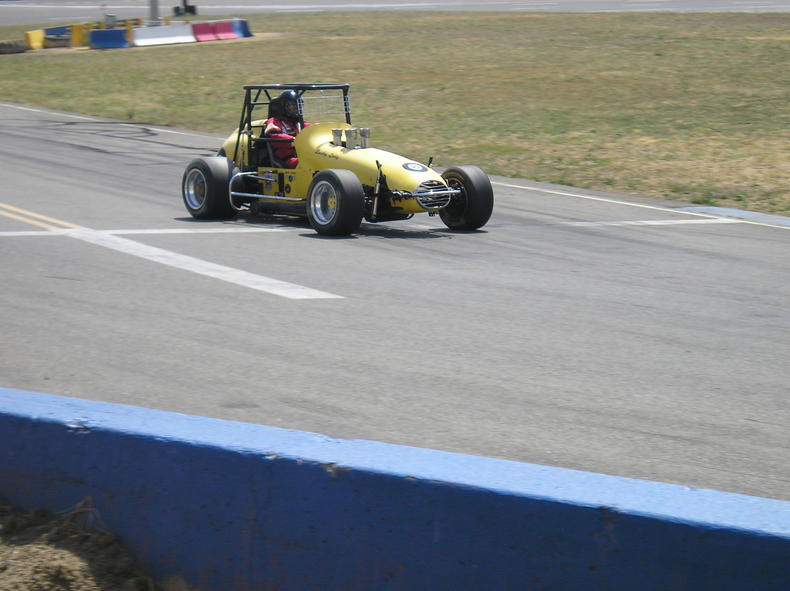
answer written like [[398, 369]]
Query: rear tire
[[204, 188], [335, 202], [472, 208]]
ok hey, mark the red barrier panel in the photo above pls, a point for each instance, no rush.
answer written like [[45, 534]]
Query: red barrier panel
[[225, 30], [204, 32]]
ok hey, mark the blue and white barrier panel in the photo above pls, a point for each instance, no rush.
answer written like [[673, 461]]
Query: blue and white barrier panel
[[231, 506]]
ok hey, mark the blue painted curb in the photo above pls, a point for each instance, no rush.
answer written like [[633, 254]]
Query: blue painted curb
[[234, 507]]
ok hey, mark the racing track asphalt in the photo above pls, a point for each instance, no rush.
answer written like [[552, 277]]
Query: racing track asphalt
[[599, 332]]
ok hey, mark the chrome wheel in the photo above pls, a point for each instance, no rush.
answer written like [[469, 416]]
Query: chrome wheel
[[335, 202], [204, 188], [323, 202], [195, 189]]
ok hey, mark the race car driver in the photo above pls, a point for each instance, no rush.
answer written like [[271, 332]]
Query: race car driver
[[284, 123]]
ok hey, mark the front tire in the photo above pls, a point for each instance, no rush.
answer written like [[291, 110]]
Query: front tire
[[335, 202], [204, 188], [472, 208]]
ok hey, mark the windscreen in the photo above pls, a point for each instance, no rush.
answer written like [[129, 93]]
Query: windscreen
[[319, 106]]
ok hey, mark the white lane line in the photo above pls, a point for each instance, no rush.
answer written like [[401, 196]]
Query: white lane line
[[602, 199], [766, 219], [425, 227], [223, 230], [123, 232], [201, 267], [654, 222], [629, 204]]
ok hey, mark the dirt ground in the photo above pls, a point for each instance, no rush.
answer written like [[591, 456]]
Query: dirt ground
[[64, 552]]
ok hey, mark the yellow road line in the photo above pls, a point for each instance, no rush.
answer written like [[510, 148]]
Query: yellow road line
[[27, 220], [35, 219]]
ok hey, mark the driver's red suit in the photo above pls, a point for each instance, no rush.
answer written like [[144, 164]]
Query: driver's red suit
[[284, 129]]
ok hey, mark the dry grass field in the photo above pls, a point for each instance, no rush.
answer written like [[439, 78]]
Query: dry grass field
[[683, 106]]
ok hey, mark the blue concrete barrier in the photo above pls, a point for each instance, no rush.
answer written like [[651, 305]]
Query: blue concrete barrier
[[57, 31], [241, 27], [108, 39], [233, 506]]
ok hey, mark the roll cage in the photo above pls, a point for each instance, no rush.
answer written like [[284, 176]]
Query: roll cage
[[262, 95]]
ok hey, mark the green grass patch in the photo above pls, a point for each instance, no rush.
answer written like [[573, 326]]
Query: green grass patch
[[684, 106]]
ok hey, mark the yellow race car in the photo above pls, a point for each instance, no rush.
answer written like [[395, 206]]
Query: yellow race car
[[335, 178]]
